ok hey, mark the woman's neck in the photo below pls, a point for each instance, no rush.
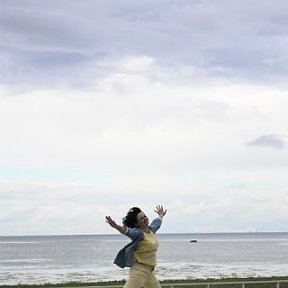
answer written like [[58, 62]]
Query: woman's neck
[[145, 228]]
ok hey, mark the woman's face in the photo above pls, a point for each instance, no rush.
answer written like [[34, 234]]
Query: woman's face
[[142, 220]]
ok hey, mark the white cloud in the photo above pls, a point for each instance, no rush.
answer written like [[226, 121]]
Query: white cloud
[[152, 120]]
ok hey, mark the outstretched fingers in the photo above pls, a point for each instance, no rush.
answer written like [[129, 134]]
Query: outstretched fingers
[[160, 211], [110, 221]]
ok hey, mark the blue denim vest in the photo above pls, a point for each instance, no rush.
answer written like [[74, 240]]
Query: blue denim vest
[[125, 257]]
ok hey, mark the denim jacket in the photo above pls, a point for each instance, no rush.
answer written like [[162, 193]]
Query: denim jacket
[[125, 257]]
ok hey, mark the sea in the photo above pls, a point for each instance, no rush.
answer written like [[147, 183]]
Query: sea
[[89, 258]]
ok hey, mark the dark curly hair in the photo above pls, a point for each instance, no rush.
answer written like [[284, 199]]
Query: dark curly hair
[[130, 219]]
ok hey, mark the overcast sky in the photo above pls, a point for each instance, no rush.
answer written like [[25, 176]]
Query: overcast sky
[[106, 105]]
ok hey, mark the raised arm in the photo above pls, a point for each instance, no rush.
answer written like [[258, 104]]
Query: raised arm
[[113, 224]]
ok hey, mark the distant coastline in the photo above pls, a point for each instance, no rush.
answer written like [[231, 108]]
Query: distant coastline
[[163, 233]]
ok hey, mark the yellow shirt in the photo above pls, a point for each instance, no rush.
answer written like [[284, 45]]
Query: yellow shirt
[[145, 251]]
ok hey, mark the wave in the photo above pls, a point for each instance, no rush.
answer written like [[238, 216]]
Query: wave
[[40, 260]]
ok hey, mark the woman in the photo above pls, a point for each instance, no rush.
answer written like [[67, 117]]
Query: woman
[[140, 253]]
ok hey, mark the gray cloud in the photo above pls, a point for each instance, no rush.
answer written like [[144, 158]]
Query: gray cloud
[[45, 41], [270, 140]]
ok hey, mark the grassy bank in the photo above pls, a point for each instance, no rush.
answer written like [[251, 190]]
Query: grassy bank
[[110, 283]]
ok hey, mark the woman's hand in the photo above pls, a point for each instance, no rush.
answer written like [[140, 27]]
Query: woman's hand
[[160, 211], [113, 224]]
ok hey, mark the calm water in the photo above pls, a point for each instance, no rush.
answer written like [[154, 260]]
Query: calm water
[[56, 259]]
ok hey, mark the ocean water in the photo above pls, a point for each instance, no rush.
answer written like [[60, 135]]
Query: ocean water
[[57, 259]]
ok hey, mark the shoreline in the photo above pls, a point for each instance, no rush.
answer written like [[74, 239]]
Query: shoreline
[[168, 281]]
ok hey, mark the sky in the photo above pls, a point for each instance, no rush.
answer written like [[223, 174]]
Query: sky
[[106, 105]]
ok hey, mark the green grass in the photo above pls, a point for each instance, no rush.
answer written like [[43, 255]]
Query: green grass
[[110, 283]]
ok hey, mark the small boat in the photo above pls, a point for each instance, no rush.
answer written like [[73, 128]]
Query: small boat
[[193, 241]]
